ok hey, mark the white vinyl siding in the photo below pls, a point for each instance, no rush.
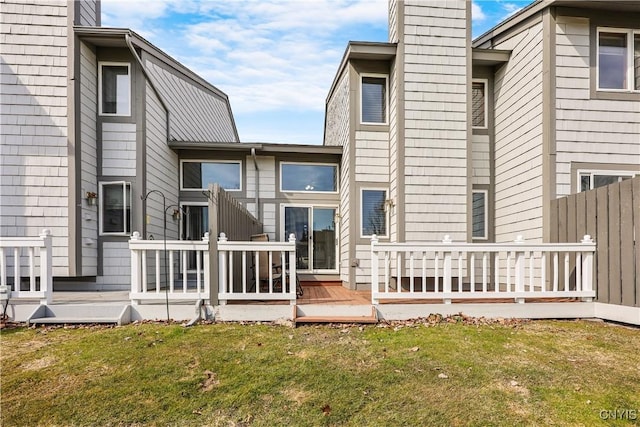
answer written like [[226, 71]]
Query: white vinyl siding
[[518, 138], [435, 100], [481, 165], [88, 13], [267, 171], [34, 139], [119, 149], [593, 131], [116, 266], [372, 157]]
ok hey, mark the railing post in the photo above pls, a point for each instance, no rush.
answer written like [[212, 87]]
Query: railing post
[[222, 268], [587, 267], [375, 286], [519, 270], [136, 280], [446, 267], [46, 275], [205, 264], [292, 268]]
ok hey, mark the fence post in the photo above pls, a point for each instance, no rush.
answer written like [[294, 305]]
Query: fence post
[[375, 285], [519, 270], [46, 275], [222, 269], [446, 267], [292, 268], [587, 267], [205, 263], [136, 280]]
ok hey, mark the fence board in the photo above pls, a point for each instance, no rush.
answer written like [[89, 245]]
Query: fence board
[[602, 242], [615, 289], [627, 282]]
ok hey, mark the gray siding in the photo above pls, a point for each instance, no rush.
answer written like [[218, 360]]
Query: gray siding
[[338, 133], [33, 136], [116, 266], [481, 160], [88, 13], [435, 76], [162, 169], [197, 115], [118, 149], [89, 161], [518, 138], [372, 157], [588, 130]]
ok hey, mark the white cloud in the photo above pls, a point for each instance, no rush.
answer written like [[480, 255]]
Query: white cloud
[[511, 9], [476, 13]]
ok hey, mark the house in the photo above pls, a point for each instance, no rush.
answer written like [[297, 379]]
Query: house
[[428, 135]]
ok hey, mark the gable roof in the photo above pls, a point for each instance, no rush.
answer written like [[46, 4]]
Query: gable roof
[[197, 110]]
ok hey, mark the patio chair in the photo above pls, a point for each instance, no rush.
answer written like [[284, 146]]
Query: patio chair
[[264, 269]]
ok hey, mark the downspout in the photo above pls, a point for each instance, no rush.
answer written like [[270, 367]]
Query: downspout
[[255, 166]]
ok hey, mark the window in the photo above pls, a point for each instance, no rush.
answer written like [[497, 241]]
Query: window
[[374, 99], [115, 89], [480, 215], [588, 180], [373, 213], [198, 175], [115, 207], [479, 104], [308, 177], [618, 59]]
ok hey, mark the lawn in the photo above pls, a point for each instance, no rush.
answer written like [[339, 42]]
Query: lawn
[[455, 372]]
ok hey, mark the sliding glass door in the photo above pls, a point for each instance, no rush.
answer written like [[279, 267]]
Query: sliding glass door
[[316, 238]]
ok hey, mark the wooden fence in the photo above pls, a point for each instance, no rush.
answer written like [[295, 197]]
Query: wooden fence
[[611, 215], [227, 215]]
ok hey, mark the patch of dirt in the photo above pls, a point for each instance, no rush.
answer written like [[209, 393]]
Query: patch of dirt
[[38, 364], [296, 395], [211, 381]]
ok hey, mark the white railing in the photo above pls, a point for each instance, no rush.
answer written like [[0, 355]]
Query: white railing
[[183, 283], [469, 271], [35, 247], [240, 276]]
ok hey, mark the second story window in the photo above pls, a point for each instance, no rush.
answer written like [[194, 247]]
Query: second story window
[[373, 102], [308, 177], [479, 104], [618, 59], [198, 175], [115, 89]]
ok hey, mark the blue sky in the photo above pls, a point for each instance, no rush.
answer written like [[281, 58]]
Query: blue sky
[[275, 59]]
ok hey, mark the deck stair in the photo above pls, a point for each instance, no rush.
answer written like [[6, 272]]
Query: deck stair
[[118, 314], [316, 313]]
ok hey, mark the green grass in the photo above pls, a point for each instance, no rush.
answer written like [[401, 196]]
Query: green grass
[[533, 373]]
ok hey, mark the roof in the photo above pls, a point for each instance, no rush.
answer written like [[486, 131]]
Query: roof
[[260, 148], [198, 111], [539, 5]]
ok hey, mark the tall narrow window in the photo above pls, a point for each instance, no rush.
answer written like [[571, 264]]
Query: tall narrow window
[[478, 102], [636, 60], [479, 215], [115, 207], [373, 213], [115, 89], [374, 100], [612, 60]]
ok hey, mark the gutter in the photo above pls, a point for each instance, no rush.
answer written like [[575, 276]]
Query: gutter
[[255, 165], [127, 39]]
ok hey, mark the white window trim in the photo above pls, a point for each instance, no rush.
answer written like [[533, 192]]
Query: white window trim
[[592, 172], [630, 59], [311, 191], [183, 161], [118, 64], [485, 82], [486, 215], [386, 100], [386, 213], [183, 206], [101, 206]]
